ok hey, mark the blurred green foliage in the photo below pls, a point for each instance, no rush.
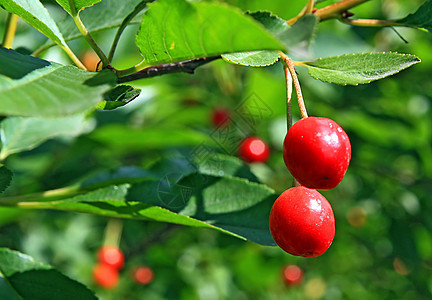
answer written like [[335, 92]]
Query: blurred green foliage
[[383, 243]]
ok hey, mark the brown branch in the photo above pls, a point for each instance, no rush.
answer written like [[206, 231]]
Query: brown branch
[[337, 9], [187, 66], [331, 11]]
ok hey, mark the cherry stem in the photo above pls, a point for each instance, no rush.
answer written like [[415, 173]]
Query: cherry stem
[[113, 232], [290, 65], [289, 82]]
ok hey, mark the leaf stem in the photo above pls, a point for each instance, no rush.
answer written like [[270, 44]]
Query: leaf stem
[[291, 67], [11, 25], [305, 10], [73, 57], [86, 34], [124, 24], [369, 22], [42, 196], [137, 68]]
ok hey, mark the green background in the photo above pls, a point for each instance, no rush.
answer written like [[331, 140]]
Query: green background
[[383, 243]]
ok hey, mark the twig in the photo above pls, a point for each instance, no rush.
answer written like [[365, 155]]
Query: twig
[[331, 11], [335, 10], [187, 66]]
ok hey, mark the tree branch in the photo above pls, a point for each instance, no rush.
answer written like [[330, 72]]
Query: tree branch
[[187, 66]]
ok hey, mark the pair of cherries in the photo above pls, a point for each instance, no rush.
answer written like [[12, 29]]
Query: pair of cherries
[[317, 152]]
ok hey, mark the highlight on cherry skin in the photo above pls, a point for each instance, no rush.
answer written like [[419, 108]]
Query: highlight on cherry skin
[[302, 222], [317, 152], [253, 149]]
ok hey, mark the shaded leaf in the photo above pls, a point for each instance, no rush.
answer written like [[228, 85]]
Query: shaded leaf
[[19, 134], [35, 87], [422, 18], [104, 15], [34, 13], [5, 178], [298, 38], [119, 96], [29, 279], [181, 30], [79, 5], [359, 68]]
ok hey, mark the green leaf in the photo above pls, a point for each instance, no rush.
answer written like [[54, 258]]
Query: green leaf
[[298, 38], [34, 87], [79, 5], [118, 96], [253, 58], [228, 204], [359, 68], [181, 30], [34, 13], [104, 15], [272, 23], [422, 18], [27, 278], [19, 134], [5, 178]]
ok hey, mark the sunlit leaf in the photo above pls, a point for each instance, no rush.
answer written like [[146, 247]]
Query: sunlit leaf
[[359, 68], [35, 87], [34, 13], [182, 30]]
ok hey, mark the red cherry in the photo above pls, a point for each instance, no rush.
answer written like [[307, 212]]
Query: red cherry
[[220, 117], [254, 149], [302, 222], [143, 275], [292, 275], [317, 152], [111, 256], [105, 276]]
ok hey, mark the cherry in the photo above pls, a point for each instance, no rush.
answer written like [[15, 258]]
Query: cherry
[[105, 275], [292, 275], [254, 149], [220, 117], [111, 256], [317, 152], [143, 275], [302, 222], [90, 60]]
